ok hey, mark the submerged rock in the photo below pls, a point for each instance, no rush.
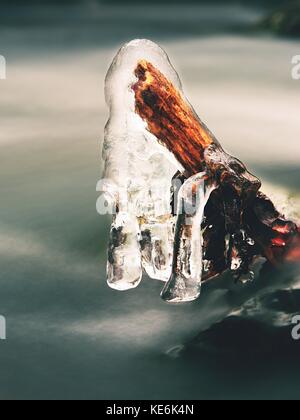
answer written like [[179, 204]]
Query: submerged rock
[[261, 330]]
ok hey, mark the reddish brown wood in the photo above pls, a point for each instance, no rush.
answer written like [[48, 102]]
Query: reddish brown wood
[[170, 118]]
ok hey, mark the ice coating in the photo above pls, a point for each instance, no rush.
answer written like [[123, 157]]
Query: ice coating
[[152, 133], [124, 267], [185, 282], [138, 174], [125, 132]]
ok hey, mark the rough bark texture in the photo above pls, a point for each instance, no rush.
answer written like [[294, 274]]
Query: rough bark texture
[[170, 118]]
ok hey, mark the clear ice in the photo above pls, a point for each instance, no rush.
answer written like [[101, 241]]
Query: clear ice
[[185, 282], [138, 178]]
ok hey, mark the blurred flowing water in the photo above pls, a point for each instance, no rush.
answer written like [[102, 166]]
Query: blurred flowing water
[[71, 337]]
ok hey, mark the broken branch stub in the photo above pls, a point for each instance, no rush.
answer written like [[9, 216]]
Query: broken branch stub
[[240, 222]]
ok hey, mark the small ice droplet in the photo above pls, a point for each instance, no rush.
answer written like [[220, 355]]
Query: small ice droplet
[[247, 278], [250, 242], [227, 242], [206, 265], [236, 263], [174, 352]]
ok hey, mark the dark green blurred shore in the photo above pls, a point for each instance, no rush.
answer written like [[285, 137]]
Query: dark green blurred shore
[[285, 20], [281, 17]]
